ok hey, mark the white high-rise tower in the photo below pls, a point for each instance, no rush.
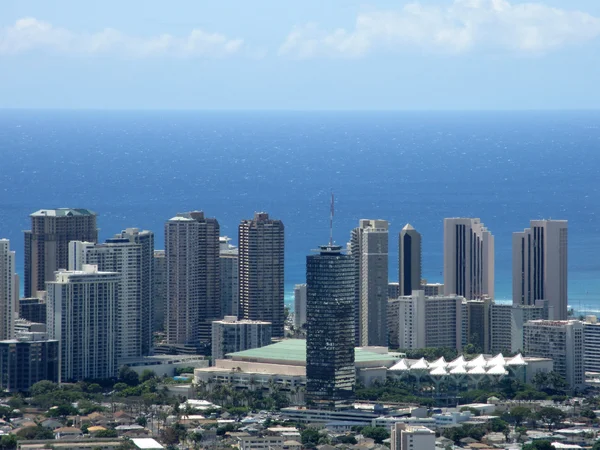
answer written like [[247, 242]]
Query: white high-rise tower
[[9, 290]]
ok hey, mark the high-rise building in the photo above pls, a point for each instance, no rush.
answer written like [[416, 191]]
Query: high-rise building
[[231, 335], [468, 258], [417, 321], [123, 257], [193, 279], [540, 266], [330, 368], [369, 250], [501, 318], [478, 323], [591, 344], [261, 271], [560, 340], [299, 305], [47, 243], [160, 290], [82, 316], [145, 239], [409, 257], [9, 290], [404, 437], [432, 289], [33, 309], [393, 290], [24, 362], [521, 314], [230, 285]]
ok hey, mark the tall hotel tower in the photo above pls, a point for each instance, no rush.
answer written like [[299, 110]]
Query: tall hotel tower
[[369, 249], [468, 259], [409, 263], [540, 266], [193, 286], [9, 290], [47, 243], [261, 269], [330, 372]]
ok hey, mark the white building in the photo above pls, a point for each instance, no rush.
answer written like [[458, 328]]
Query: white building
[[591, 344], [468, 259], [500, 328], [561, 340], [412, 438], [82, 316], [540, 266], [299, 305], [231, 335], [369, 249], [432, 289], [9, 290], [417, 321], [230, 284]]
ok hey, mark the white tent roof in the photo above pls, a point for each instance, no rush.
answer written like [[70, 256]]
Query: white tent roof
[[420, 364], [477, 362], [477, 370], [438, 371], [497, 370], [516, 361], [458, 370], [460, 361], [497, 360], [400, 365], [438, 363]]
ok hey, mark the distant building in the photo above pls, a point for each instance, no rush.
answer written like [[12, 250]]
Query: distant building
[[432, 289], [9, 290], [33, 309], [30, 331], [160, 290], [25, 362], [299, 305], [393, 290], [417, 321], [230, 284], [47, 243], [193, 279], [82, 316], [231, 335], [261, 271], [468, 259], [521, 314], [540, 266], [369, 250], [478, 323], [405, 437], [561, 340], [591, 344], [330, 368], [409, 256], [501, 319]]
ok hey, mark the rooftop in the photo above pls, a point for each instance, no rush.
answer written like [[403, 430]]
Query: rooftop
[[63, 212], [294, 350]]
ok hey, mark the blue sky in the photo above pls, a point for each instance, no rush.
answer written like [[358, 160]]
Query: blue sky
[[310, 54]]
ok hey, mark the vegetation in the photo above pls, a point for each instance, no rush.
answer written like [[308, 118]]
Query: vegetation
[[378, 434], [539, 445]]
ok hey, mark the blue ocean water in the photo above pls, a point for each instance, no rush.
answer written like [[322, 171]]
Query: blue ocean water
[[140, 168]]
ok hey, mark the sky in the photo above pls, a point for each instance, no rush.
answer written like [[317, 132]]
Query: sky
[[300, 55]]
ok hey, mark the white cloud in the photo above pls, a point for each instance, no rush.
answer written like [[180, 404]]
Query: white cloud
[[32, 34], [461, 26]]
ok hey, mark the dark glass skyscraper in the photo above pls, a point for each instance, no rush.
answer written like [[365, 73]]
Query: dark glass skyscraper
[[330, 368], [409, 262]]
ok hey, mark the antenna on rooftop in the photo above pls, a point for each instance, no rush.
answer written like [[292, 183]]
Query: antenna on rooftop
[[331, 221]]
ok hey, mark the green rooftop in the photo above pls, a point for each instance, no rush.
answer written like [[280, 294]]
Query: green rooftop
[[294, 352], [63, 212]]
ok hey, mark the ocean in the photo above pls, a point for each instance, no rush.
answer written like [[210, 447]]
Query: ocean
[[139, 168]]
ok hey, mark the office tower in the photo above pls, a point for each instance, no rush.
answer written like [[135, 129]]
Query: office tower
[[591, 344], [47, 243], [123, 257], [193, 285], [417, 321], [299, 305], [146, 281], [501, 318], [405, 437], [24, 362], [560, 340], [521, 314], [409, 260], [468, 259], [230, 286], [160, 290], [540, 266], [231, 335], [33, 309], [261, 272], [330, 372], [9, 290], [432, 289], [393, 290], [478, 324], [369, 250], [82, 316]]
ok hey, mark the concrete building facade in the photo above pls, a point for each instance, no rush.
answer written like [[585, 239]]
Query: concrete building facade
[[405, 437], [369, 250], [540, 266], [47, 243], [591, 344], [468, 259], [231, 335], [409, 260], [230, 281], [33, 309], [261, 271], [159, 304], [82, 316], [9, 290], [24, 362], [299, 305]]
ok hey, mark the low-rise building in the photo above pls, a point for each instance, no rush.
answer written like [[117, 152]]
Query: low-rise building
[[230, 335], [163, 365], [405, 437]]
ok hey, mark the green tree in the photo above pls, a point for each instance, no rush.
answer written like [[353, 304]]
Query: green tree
[[106, 433], [588, 413], [146, 375], [63, 410], [378, 434], [539, 445], [8, 442], [35, 433], [128, 376], [596, 446], [141, 421], [550, 416], [43, 387], [519, 414], [310, 437], [347, 439]]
